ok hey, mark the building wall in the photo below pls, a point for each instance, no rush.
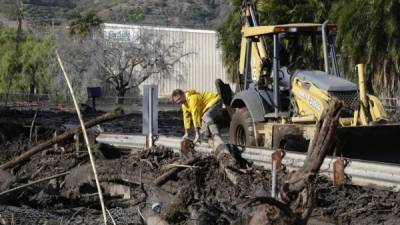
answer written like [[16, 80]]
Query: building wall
[[198, 70]]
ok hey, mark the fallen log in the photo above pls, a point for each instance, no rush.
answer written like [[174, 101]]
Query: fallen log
[[64, 136], [226, 159]]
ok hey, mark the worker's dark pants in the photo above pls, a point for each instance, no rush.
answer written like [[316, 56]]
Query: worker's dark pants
[[209, 124]]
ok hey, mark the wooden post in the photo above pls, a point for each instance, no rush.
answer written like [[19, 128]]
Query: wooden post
[[276, 159], [338, 172]]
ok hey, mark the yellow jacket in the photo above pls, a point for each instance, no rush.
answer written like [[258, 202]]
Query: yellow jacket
[[196, 105]]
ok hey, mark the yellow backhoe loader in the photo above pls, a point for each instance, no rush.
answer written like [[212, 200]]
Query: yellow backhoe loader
[[279, 108]]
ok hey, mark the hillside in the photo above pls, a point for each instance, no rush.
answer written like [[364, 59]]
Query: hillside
[[204, 14]]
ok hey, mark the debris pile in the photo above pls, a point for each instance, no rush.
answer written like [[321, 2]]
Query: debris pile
[[145, 185]]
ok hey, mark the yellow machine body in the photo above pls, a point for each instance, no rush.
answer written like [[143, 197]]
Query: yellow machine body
[[365, 115], [311, 102]]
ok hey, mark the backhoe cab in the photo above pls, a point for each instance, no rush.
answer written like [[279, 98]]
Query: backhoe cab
[[280, 102]]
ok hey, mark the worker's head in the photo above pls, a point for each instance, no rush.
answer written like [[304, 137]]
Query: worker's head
[[178, 96]]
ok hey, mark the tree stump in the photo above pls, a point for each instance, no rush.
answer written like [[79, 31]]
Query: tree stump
[[297, 193]]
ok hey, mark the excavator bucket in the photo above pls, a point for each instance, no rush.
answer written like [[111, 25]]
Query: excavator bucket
[[379, 142]]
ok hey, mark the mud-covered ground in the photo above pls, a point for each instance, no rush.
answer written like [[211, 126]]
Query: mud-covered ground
[[201, 194]]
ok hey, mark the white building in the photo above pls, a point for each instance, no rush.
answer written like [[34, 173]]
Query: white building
[[200, 68]]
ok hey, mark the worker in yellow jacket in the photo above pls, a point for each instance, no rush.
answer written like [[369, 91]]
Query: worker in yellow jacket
[[199, 108]]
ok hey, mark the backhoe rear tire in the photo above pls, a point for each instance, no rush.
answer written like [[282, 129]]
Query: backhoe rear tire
[[241, 130]]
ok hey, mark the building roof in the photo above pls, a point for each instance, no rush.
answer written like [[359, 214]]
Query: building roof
[[294, 27], [133, 26]]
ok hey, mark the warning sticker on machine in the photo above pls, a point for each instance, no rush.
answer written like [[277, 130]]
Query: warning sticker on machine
[[312, 101]]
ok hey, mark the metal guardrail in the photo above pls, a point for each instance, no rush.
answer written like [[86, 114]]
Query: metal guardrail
[[362, 172]]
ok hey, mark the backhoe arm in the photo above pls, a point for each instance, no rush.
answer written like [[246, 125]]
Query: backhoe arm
[[257, 52]]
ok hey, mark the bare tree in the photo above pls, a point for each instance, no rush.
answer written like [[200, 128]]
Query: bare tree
[[78, 54], [126, 65]]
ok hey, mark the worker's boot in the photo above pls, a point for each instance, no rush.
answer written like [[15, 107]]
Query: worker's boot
[[213, 129], [205, 134], [215, 139], [207, 131], [216, 143]]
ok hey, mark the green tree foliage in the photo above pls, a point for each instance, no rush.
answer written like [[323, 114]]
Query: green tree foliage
[[229, 40], [369, 33], [35, 56], [33, 62], [269, 12], [9, 62], [84, 25], [293, 11]]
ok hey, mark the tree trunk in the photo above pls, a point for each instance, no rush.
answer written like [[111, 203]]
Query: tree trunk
[[368, 83], [228, 163], [121, 96], [31, 92]]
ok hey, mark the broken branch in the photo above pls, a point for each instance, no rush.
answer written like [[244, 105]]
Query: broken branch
[[167, 175], [34, 182], [32, 125]]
